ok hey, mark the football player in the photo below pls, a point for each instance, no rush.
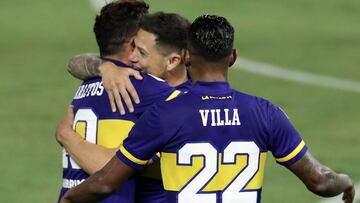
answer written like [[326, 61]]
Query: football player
[[213, 140], [160, 49], [102, 131]]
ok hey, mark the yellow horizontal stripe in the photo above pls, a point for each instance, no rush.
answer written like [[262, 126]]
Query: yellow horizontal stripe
[[112, 132], [176, 176], [173, 95], [131, 157], [293, 153]]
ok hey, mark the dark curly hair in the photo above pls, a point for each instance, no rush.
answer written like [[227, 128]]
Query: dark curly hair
[[211, 37], [118, 21], [170, 30]]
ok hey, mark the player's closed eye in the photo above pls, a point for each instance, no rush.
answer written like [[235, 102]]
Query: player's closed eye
[[142, 53]]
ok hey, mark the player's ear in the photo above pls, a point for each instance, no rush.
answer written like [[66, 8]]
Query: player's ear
[[174, 60], [132, 43], [186, 58], [233, 57]]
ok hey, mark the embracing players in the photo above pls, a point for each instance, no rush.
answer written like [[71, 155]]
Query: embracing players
[[213, 140], [102, 131]]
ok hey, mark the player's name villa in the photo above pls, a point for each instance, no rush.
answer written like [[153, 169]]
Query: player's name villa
[[70, 183], [219, 117], [92, 89]]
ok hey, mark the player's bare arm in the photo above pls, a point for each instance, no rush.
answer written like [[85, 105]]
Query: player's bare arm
[[101, 184], [321, 180], [90, 157], [84, 66], [116, 80]]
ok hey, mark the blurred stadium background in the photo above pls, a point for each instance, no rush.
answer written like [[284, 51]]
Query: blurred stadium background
[[319, 37]]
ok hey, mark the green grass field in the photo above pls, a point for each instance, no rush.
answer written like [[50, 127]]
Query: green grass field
[[321, 37]]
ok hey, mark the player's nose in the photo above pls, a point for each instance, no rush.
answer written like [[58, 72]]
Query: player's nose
[[133, 58]]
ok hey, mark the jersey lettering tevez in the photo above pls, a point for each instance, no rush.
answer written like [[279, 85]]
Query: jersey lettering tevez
[[213, 143], [95, 121]]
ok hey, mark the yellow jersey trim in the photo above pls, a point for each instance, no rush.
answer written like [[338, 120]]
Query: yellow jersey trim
[[173, 95], [293, 153], [131, 157]]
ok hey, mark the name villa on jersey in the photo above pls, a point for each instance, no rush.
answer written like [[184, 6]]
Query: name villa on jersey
[[219, 117], [92, 89]]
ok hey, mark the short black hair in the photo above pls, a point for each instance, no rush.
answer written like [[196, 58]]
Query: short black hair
[[211, 37], [170, 30], [117, 23]]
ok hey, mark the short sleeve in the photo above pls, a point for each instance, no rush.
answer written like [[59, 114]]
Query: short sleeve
[[145, 139], [151, 90], [285, 142]]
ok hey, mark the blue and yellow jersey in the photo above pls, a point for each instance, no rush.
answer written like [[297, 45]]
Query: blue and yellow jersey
[[213, 143], [149, 183], [97, 124]]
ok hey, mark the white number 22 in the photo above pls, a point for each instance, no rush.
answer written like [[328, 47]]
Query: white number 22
[[232, 193]]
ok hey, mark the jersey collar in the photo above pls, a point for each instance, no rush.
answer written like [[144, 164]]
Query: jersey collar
[[213, 87], [116, 62], [186, 86]]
